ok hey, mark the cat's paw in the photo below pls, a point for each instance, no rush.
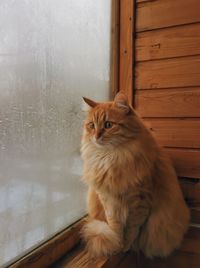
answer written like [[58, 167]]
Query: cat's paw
[[100, 239]]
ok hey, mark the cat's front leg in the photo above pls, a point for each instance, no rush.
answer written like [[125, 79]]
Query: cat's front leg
[[94, 206], [106, 237], [99, 238]]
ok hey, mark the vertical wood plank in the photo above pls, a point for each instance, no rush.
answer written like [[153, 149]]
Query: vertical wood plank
[[127, 19], [114, 72]]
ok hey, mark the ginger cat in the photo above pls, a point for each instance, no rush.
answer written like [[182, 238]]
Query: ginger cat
[[134, 198]]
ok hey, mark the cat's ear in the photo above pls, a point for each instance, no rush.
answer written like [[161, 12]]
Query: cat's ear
[[121, 102], [90, 104]]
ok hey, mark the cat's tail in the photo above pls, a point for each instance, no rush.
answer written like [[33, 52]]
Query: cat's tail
[[100, 239], [161, 235]]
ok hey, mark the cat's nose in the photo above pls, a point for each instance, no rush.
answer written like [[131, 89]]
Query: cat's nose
[[98, 134]]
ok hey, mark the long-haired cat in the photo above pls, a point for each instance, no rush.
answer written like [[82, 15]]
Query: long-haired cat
[[134, 198]]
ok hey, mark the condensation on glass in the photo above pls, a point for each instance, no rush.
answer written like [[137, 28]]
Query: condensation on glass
[[52, 52]]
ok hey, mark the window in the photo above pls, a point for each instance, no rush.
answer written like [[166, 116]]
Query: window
[[51, 54]]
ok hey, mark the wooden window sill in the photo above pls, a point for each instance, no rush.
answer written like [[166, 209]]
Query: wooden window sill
[[188, 255], [79, 258]]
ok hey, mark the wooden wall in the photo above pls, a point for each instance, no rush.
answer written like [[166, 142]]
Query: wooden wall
[[167, 83], [168, 77]]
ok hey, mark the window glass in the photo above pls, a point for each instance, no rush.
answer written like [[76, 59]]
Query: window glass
[[52, 52]]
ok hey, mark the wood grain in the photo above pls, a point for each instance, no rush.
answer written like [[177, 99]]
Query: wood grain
[[114, 261], [168, 73], [195, 215], [114, 72], [186, 161], [175, 132], [191, 192], [126, 47], [129, 261], [159, 14], [140, 1], [51, 250], [191, 242], [193, 232], [169, 103], [178, 259], [79, 258], [169, 42]]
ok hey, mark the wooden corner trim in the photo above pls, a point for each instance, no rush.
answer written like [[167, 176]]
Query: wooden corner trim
[[114, 66], [126, 49]]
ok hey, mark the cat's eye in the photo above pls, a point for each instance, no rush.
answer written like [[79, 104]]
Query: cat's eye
[[108, 124], [91, 125]]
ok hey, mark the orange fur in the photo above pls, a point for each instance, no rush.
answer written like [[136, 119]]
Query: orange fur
[[134, 198]]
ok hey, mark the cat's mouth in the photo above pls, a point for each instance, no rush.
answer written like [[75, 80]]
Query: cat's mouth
[[98, 142]]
